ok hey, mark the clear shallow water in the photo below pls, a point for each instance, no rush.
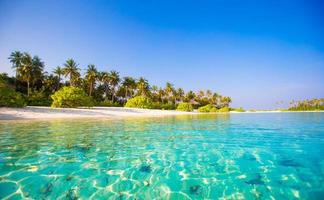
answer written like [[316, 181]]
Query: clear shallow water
[[237, 156]]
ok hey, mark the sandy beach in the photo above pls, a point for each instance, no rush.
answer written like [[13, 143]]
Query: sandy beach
[[35, 112], [40, 113]]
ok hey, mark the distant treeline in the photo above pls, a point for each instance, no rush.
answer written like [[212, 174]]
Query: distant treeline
[[105, 88], [313, 104]]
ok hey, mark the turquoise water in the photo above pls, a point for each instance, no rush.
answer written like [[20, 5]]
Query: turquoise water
[[236, 156]]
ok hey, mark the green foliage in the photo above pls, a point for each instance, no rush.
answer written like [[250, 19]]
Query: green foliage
[[5, 80], [239, 110], [184, 106], [205, 108], [100, 85], [71, 69], [313, 104], [2, 80], [168, 106], [213, 110], [39, 98], [143, 87], [225, 109], [108, 103], [163, 106], [139, 102], [10, 98], [71, 97]]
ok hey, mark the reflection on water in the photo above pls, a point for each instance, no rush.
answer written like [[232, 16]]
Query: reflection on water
[[230, 156]]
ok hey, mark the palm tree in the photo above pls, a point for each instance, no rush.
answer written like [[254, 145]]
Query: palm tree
[[155, 92], [71, 69], [25, 70], [104, 78], [29, 69], [214, 99], [200, 94], [142, 86], [201, 98], [114, 79], [190, 96], [59, 72], [16, 60], [179, 94], [161, 94], [129, 84], [154, 89], [50, 83], [225, 101], [169, 90], [37, 70], [91, 77]]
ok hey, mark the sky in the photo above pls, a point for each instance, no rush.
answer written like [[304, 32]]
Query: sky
[[256, 52]]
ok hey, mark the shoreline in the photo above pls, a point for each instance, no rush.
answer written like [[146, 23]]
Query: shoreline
[[47, 113]]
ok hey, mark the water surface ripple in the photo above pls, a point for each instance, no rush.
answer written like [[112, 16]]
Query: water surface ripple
[[230, 156]]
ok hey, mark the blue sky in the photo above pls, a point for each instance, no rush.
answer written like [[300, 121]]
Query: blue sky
[[257, 52]]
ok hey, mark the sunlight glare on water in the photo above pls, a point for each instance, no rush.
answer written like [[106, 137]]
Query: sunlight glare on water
[[231, 156]]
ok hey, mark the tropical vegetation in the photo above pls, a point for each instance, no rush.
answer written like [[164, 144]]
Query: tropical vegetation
[[213, 109], [184, 106], [34, 86], [66, 87], [71, 97], [9, 97], [238, 109], [223, 110], [205, 108], [312, 104], [139, 102]]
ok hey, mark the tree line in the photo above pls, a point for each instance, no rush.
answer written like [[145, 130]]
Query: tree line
[[308, 104], [102, 86]]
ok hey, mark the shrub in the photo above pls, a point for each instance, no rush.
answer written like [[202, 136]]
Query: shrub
[[10, 98], [71, 97], [213, 110], [168, 106], [139, 102], [239, 110], [39, 98], [163, 106], [108, 103], [184, 106], [224, 109], [205, 108]]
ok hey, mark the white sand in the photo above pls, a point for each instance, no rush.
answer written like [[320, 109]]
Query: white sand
[[40, 113], [35, 112]]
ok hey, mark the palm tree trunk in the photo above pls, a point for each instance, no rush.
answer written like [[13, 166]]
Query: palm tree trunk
[[90, 89]]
